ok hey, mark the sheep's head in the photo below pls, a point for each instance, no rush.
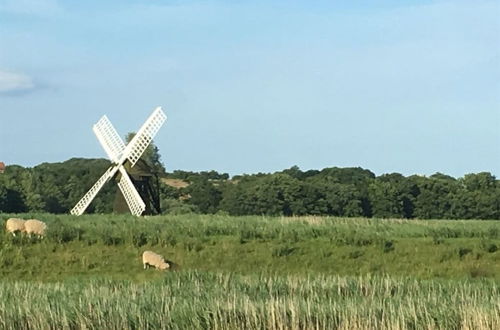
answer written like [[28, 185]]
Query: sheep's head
[[164, 265]]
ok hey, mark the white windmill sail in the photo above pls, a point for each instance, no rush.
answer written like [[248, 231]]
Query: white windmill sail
[[132, 197], [144, 136], [109, 139], [82, 205], [118, 154]]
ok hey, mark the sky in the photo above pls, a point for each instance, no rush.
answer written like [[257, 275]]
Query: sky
[[411, 87]]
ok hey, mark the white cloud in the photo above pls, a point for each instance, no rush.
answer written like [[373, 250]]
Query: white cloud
[[31, 7], [11, 82]]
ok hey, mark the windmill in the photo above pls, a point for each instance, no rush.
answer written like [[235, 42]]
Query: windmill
[[119, 154]]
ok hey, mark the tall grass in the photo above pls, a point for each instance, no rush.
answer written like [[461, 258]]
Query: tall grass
[[202, 300], [252, 273], [123, 229], [111, 245]]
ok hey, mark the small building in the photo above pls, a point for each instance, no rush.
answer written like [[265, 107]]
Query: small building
[[2, 167]]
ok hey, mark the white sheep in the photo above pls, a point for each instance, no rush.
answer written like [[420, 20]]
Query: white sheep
[[150, 258], [14, 224], [36, 227]]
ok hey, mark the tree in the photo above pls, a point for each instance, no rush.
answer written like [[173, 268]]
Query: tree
[[435, 197], [205, 196], [3, 199], [235, 197], [386, 200], [478, 197], [56, 187], [273, 194], [483, 181], [310, 199], [392, 196], [342, 199], [11, 201], [12, 198], [294, 172], [151, 156], [348, 175]]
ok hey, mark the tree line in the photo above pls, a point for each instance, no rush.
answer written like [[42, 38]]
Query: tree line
[[347, 192]]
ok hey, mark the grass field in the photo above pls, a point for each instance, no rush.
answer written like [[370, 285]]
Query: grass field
[[252, 272]]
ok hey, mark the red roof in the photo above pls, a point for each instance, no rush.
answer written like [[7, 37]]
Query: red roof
[[2, 167]]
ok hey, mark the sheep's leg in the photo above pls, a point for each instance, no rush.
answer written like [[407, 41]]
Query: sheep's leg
[[145, 265], [13, 234]]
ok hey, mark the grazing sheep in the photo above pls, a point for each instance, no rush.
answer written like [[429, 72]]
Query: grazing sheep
[[150, 258], [36, 227], [13, 224]]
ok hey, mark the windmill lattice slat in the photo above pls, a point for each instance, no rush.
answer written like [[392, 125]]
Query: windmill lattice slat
[[109, 138]]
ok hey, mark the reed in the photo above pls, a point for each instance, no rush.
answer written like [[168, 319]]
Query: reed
[[203, 300]]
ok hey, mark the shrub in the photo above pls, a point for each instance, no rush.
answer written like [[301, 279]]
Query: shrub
[[388, 246], [489, 247], [492, 248], [327, 254], [139, 239], [478, 272], [437, 240], [62, 233], [445, 232], [109, 238], [170, 240], [177, 207], [283, 251], [494, 232], [463, 252], [356, 254], [446, 256], [192, 245], [247, 234]]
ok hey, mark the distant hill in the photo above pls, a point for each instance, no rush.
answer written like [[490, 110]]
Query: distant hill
[[176, 183]]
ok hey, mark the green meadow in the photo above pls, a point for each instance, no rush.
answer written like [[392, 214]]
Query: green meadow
[[252, 272]]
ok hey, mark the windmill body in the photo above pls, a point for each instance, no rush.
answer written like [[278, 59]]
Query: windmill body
[[146, 182], [119, 153]]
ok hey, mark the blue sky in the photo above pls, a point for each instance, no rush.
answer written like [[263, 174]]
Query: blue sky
[[392, 86]]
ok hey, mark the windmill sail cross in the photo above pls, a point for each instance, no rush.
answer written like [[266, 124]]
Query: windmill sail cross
[[118, 153]]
